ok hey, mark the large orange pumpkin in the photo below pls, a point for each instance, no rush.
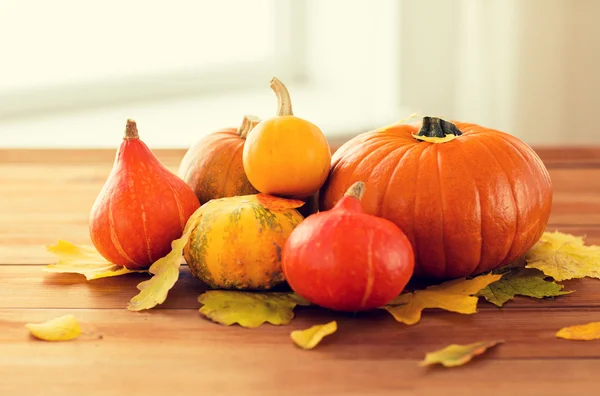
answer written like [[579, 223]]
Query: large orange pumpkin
[[469, 198], [213, 166]]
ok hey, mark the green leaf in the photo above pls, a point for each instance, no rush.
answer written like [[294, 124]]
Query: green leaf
[[523, 282], [249, 309]]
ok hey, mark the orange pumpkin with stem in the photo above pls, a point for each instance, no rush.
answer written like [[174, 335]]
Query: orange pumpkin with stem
[[213, 166], [286, 155], [141, 208], [469, 198]]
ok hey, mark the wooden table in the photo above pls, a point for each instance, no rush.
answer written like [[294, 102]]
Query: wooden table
[[172, 350]]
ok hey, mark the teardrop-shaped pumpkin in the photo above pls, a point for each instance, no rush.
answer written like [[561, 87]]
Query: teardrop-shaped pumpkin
[[213, 166], [469, 198], [141, 208], [237, 242]]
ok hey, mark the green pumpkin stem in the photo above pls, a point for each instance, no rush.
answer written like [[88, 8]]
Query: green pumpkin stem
[[434, 127], [357, 190]]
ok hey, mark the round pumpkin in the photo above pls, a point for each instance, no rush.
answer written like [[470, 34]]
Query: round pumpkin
[[286, 155], [237, 242], [213, 166], [469, 198]]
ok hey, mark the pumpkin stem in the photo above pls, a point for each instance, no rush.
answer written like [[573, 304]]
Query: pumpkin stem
[[434, 127], [357, 190], [248, 123], [131, 131], [284, 102]]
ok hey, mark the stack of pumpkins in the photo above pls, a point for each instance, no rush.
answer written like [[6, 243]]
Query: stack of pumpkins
[[431, 198]]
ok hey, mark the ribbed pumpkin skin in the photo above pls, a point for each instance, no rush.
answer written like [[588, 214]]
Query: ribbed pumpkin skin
[[237, 243], [468, 206], [140, 210], [213, 166]]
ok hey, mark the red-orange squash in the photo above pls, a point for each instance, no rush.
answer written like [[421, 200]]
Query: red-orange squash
[[141, 208], [346, 260], [469, 198], [213, 166]]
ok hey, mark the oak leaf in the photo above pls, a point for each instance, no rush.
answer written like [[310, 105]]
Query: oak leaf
[[586, 332], [63, 328], [154, 291], [456, 355], [564, 256], [455, 295], [84, 260], [311, 337], [249, 309], [521, 281]]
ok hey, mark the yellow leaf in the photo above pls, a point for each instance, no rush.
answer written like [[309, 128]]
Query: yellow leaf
[[84, 260], [564, 256], [521, 281], [590, 331], [154, 291], [249, 309], [310, 338], [63, 328], [455, 295], [457, 355]]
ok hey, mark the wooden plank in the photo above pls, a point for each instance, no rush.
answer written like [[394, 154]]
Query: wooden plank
[[555, 157], [170, 157], [578, 156], [40, 204], [27, 286], [178, 352]]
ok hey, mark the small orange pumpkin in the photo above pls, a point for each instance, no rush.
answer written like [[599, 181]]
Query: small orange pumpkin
[[469, 198], [213, 166], [286, 155]]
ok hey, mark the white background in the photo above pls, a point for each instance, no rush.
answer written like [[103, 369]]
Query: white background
[[72, 72]]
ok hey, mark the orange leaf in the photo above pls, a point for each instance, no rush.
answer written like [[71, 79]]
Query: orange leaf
[[587, 332], [272, 202]]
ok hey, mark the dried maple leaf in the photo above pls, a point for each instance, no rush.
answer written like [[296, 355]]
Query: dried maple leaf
[[84, 260], [154, 291], [586, 332], [564, 256], [311, 337], [457, 355], [521, 281], [63, 328], [455, 295], [249, 309]]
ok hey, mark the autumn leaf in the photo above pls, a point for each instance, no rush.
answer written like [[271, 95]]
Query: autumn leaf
[[272, 202], [249, 309], [564, 256], [455, 295], [154, 291], [311, 337], [521, 281], [84, 260], [457, 355], [63, 328], [587, 332]]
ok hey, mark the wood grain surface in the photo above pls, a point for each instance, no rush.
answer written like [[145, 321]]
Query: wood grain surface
[[46, 195]]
